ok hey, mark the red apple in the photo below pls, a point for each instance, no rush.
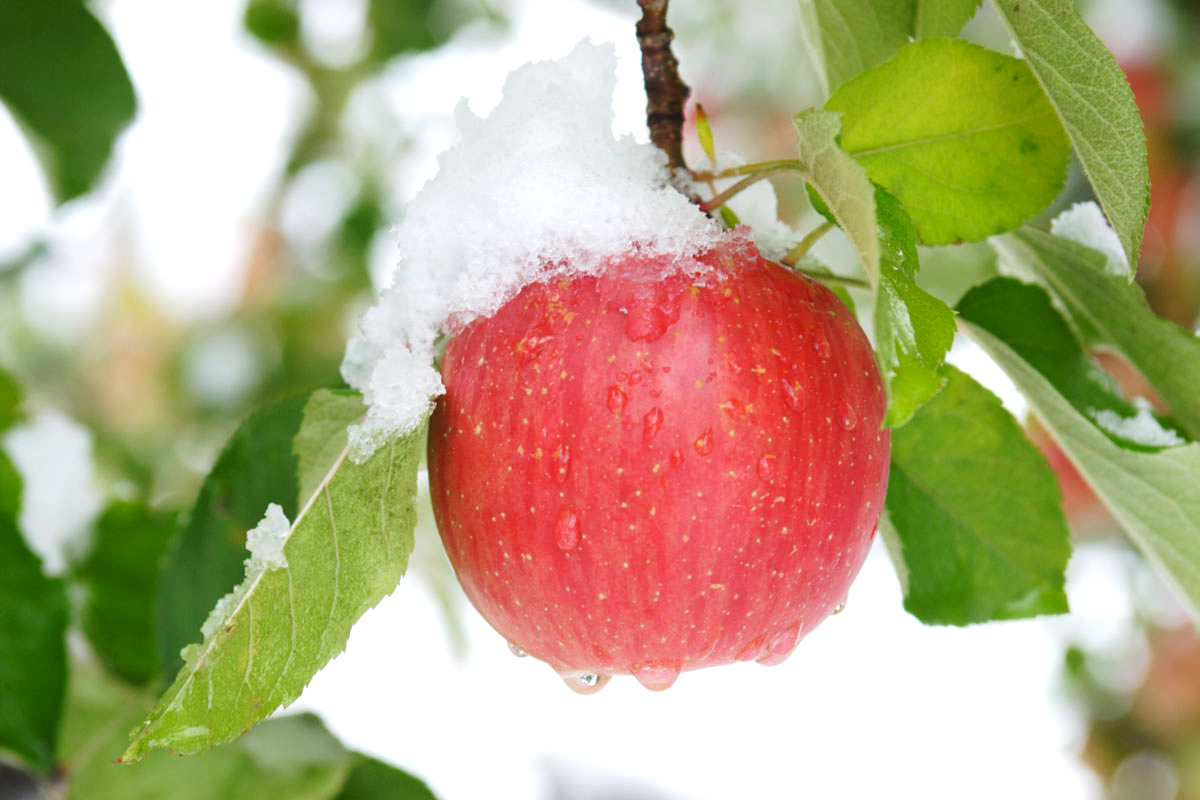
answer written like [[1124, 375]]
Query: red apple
[[637, 475]]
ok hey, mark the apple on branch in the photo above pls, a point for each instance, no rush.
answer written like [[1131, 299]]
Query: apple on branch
[[638, 475]]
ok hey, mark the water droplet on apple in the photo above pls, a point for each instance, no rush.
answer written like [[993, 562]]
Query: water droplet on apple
[[651, 423], [516, 651], [657, 676], [849, 417], [773, 659], [635, 378], [566, 529], [765, 468], [840, 606], [676, 459], [616, 399], [534, 342], [704, 445], [793, 395], [821, 344], [586, 683], [750, 651], [561, 463], [732, 407], [786, 641]]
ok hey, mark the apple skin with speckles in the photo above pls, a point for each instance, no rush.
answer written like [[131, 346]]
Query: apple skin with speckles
[[638, 475]]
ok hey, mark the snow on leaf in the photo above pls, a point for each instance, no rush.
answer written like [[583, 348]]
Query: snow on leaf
[[1085, 223], [1108, 310], [347, 549]]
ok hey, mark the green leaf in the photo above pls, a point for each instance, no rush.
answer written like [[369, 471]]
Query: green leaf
[[120, 576], [937, 18], [840, 183], [289, 757], [1040, 336], [61, 75], [371, 779], [257, 467], [320, 439], [1111, 312], [969, 551], [913, 329], [848, 36], [964, 137], [33, 623], [99, 711], [399, 26], [705, 135], [274, 22], [10, 400], [347, 548], [1152, 495], [292, 757], [1092, 97]]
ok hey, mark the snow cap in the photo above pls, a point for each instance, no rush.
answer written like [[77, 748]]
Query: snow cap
[[539, 189]]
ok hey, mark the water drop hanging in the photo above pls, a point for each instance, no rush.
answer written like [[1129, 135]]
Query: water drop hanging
[[786, 641], [586, 683], [657, 676], [750, 651]]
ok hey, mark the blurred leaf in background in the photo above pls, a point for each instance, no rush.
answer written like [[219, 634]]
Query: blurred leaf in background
[[62, 76]]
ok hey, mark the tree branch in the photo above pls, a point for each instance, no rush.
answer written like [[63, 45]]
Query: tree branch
[[666, 93]]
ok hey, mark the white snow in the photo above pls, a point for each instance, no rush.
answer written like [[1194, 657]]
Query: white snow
[[539, 188], [59, 499], [1085, 224], [265, 543], [1141, 428]]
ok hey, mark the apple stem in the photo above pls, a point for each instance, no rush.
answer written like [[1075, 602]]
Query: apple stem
[[780, 165], [666, 93], [721, 198], [801, 250], [835, 280]]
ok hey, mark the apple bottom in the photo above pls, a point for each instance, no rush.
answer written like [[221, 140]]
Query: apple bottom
[[643, 478]]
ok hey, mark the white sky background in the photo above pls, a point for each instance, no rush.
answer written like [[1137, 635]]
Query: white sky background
[[872, 703]]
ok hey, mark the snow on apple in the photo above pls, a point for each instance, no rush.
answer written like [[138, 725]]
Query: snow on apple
[[539, 188], [652, 450]]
